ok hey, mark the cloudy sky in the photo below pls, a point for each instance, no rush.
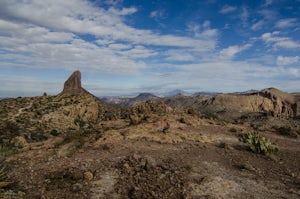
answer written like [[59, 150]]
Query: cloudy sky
[[130, 46]]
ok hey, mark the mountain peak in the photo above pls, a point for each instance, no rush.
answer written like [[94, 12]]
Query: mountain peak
[[73, 84]]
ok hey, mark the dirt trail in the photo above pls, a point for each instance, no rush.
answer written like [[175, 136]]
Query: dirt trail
[[20, 111]]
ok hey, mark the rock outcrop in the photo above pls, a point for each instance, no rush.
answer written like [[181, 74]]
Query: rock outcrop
[[284, 104], [271, 101], [73, 85]]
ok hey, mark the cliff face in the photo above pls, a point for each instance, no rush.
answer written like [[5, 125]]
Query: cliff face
[[73, 84], [272, 101]]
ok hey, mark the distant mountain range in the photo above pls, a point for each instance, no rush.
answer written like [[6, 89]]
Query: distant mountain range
[[142, 97], [127, 101], [249, 92], [211, 94]]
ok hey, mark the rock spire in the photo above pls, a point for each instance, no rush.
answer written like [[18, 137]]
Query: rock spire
[[73, 84]]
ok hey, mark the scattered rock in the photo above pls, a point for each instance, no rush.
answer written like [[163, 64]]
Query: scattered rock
[[88, 175], [247, 166], [76, 174], [102, 187], [142, 177], [77, 187], [20, 142]]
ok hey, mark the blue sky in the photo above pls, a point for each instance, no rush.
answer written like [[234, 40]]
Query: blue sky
[[125, 47]]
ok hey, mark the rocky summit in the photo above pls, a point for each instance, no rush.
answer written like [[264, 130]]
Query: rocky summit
[[73, 84]]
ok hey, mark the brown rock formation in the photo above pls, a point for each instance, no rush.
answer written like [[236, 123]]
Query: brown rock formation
[[73, 84], [283, 103], [271, 101]]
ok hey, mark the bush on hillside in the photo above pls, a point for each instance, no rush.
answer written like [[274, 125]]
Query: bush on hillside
[[3, 174], [258, 143], [285, 130]]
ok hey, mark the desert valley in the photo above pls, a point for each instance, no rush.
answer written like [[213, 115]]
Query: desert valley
[[76, 145]]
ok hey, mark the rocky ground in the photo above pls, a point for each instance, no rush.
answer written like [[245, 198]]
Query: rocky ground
[[73, 145], [170, 156]]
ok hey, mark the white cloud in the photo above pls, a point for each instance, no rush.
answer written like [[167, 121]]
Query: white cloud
[[203, 31], [179, 55], [38, 47], [287, 43], [294, 72], [158, 14], [279, 42], [112, 2], [268, 2], [116, 46], [283, 61], [123, 11], [244, 15], [258, 25], [80, 17], [224, 76], [286, 23], [231, 51], [104, 42], [139, 52], [206, 24], [47, 34], [268, 14], [227, 9]]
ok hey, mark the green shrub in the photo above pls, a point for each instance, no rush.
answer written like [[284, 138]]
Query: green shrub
[[257, 126], [298, 131], [285, 130], [6, 149], [35, 105], [233, 130], [75, 136], [38, 113], [3, 175], [211, 116], [54, 132], [38, 135], [182, 120], [79, 122], [9, 129], [214, 117], [258, 143]]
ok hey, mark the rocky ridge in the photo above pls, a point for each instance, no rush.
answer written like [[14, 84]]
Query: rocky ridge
[[74, 145], [270, 101]]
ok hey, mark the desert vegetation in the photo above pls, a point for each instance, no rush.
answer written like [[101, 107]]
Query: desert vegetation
[[74, 145], [258, 143]]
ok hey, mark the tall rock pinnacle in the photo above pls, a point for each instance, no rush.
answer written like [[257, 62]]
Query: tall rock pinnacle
[[73, 84]]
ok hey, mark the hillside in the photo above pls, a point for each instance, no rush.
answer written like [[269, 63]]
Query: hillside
[[73, 145]]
